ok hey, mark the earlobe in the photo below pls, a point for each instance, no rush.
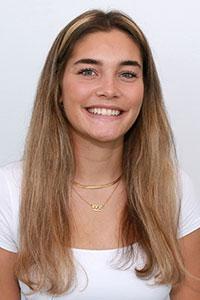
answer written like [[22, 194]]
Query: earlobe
[[60, 101]]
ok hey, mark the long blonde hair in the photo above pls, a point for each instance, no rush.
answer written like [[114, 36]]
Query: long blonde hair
[[45, 259]]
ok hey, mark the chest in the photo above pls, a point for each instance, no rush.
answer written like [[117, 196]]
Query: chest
[[97, 229], [97, 278]]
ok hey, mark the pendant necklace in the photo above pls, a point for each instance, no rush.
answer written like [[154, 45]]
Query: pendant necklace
[[98, 207]]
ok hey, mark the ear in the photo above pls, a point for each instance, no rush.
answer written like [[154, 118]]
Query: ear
[[60, 101]]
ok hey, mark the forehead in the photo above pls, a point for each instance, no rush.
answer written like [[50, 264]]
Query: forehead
[[102, 44]]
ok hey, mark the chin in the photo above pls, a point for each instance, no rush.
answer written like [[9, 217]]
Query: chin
[[97, 137], [107, 139]]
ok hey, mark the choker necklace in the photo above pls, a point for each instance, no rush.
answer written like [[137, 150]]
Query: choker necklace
[[100, 186], [97, 207]]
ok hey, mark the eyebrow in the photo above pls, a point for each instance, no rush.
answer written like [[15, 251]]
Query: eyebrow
[[97, 62]]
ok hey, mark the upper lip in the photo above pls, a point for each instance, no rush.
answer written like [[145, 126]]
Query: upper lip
[[106, 106]]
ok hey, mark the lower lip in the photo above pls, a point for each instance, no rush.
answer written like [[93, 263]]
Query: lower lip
[[103, 117]]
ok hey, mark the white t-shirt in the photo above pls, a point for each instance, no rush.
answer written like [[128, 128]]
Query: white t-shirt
[[104, 281]]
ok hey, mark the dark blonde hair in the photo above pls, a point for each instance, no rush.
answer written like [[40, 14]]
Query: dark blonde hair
[[45, 259]]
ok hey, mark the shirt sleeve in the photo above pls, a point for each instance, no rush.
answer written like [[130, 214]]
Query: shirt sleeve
[[7, 240], [190, 207]]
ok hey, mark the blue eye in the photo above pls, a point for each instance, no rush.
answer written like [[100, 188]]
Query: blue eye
[[129, 75], [87, 72]]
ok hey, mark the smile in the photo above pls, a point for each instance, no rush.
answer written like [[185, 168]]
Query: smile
[[104, 111]]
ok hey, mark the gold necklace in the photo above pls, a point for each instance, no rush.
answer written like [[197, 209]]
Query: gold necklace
[[97, 207], [101, 186]]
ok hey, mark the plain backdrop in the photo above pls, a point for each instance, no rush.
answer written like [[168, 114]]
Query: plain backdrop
[[28, 28]]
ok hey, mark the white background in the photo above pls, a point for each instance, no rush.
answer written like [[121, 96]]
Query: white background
[[28, 28]]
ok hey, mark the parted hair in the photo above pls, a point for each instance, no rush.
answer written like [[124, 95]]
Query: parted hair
[[45, 259]]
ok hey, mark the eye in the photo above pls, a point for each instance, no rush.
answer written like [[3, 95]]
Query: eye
[[87, 72], [128, 75]]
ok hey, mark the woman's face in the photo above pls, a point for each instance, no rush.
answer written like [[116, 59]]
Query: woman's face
[[102, 87]]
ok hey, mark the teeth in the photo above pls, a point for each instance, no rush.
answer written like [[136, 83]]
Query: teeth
[[104, 111]]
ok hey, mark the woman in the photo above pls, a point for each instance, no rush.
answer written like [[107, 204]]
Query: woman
[[96, 198]]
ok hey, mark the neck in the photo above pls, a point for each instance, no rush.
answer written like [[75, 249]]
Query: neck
[[97, 163]]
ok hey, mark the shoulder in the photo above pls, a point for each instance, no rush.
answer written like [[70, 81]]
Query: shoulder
[[185, 181], [12, 171], [189, 206], [10, 177], [10, 183]]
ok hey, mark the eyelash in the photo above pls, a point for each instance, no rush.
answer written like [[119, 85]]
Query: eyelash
[[130, 75], [88, 71], [83, 71]]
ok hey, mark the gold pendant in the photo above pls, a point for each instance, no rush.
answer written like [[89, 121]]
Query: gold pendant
[[97, 207]]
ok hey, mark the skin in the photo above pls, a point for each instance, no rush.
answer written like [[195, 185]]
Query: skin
[[102, 82], [98, 148], [9, 288], [100, 75], [189, 288], [99, 140]]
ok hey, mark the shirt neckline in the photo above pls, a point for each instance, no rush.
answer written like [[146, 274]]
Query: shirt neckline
[[102, 250]]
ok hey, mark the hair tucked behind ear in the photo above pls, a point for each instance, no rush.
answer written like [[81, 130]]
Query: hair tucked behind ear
[[45, 260]]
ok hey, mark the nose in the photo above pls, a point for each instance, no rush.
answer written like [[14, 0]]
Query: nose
[[108, 88]]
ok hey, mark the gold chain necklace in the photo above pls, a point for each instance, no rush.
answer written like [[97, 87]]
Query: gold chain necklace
[[97, 207], [101, 186]]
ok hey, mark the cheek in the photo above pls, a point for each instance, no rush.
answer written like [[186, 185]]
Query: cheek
[[75, 92], [136, 97]]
